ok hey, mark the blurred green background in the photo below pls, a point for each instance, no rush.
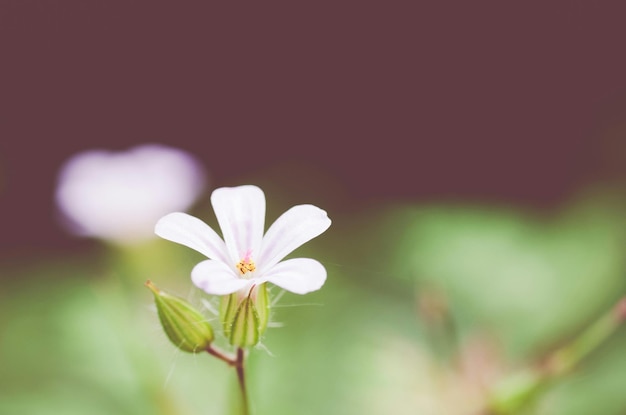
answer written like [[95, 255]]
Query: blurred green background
[[425, 308], [471, 156]]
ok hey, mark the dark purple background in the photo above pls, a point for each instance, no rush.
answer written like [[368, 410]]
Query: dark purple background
[[493, 100]]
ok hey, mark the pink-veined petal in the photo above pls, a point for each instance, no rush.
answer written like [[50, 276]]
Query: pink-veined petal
[[215, 277], [240, 212], [298, 275], [293, 228], [187, 230]]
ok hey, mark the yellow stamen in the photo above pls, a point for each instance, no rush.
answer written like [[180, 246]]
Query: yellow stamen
[[245, 266]]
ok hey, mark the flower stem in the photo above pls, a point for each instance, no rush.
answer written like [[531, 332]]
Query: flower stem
[[567, 358], [222, 356], [522, 388], [242, 381], [238, 363]]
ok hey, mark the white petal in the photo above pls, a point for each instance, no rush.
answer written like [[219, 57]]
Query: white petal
[[293, 228], [215, 277], [299, 275], [192, 232], [240, 212]]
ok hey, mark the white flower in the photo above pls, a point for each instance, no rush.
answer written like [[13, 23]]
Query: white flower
[[118, 196], [246, 257]]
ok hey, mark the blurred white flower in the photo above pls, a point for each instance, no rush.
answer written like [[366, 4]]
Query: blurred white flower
[[118, 196], [246, 257]]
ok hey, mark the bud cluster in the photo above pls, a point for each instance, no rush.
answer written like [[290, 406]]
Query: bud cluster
[[244, 318]]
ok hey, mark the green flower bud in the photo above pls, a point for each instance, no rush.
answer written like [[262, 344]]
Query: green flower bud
[[185, 326], [245, 319], [245, 328], [262, 304]]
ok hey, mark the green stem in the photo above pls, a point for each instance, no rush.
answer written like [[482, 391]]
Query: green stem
[[522, 388], [568, 357]]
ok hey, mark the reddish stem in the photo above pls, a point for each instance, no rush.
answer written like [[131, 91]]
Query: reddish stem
[[222, 356]]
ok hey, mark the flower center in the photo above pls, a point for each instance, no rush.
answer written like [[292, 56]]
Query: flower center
[[246, 265]]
